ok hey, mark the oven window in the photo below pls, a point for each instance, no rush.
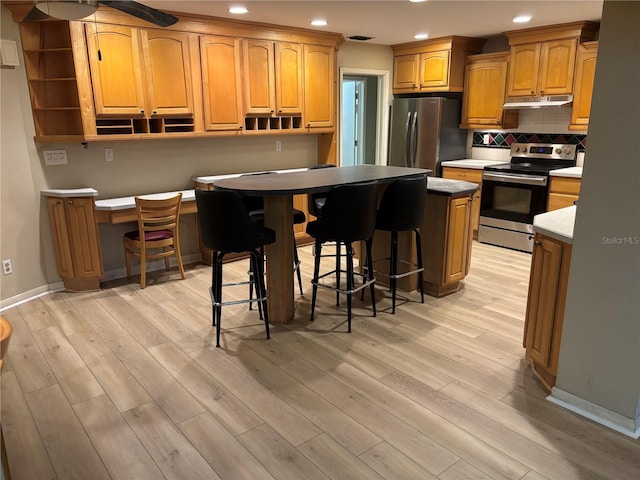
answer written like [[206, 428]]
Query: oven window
[[509, 199]]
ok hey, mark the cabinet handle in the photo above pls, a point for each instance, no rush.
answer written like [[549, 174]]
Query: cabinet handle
[[155, 112], [532, 92], [541, 92], [70, 202], [537, 243], [142, 111]]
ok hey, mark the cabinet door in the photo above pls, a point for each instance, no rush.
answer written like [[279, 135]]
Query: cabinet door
[[259, 76], [523, 75], [405, 72], [168, 72], [116, 73], [319, 86], [220, 59], [458, 240], [557, 62], [83, 236], [583, 86], [288, 77], [434, 70], [541, 302], [485, 85], [60, 234]]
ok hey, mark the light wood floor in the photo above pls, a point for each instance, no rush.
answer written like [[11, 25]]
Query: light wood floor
[[126, 384]]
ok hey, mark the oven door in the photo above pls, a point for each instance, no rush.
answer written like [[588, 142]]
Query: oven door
[[515, 197], [508, 204]]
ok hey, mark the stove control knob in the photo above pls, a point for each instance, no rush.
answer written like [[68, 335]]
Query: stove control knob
[[567, 151], [558, 151], [517, 149]]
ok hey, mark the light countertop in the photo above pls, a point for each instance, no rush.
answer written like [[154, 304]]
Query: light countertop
[[69, 192], [572, 172], [556, 224], [124, 203], [450, 188], [470, 163]]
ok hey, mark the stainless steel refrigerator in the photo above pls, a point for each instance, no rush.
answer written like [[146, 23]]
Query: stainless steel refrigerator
[[425, 132]]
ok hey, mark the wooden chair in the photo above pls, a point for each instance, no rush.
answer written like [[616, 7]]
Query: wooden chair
[[157, 230]]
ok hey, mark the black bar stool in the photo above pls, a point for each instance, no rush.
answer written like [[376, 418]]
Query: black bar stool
[[348, 215], [402, 209], [227, 228]]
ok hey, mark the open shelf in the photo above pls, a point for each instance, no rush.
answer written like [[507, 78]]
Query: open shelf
[[53, 89], [255, 123]]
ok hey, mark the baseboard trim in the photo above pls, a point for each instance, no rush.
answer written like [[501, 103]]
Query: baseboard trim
[[615, 421], [30, 295], [110, 275]]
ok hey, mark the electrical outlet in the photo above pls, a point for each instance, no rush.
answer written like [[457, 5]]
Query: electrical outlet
[[278, 145], [108, 154], [6, 267], [55, 157], [486, 139]]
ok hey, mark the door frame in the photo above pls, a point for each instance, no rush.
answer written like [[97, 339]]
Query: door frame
[[383, 105]]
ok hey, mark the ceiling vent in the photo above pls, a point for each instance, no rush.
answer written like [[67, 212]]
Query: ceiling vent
[[362, 38]]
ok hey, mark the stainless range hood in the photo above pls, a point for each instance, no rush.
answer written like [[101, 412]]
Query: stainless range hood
[[514, 103]]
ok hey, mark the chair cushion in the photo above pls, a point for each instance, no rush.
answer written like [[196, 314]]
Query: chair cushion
[[150, 236]]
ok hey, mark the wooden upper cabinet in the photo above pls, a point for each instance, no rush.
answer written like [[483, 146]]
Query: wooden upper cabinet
[[259, 81], [435, 65], [273, 77], [289, 78], [221, 83], [405, 72], [116, 70], [583, 85], [485, 86], [544, 68], [543, 59], [168, 72], [139, 72], [434, 69], [319, 86]]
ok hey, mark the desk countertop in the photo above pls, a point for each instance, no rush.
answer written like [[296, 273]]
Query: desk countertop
[[124, 203]]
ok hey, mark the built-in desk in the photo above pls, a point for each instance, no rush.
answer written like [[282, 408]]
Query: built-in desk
[[74, 215], [123, 209]]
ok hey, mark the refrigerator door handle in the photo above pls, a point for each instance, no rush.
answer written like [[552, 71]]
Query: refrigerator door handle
[[407, 142], [414, 140]]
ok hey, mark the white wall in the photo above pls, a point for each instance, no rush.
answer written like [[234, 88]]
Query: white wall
[[599, 367]]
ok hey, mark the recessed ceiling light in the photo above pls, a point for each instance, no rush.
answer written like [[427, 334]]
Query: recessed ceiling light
[[522, 19], [417, 1], [319, 22], [421, 36], [238, 10]]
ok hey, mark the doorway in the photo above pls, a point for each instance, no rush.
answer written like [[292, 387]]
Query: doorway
[[364, 117]]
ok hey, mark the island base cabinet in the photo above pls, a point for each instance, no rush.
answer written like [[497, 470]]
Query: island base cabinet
[[76, 242], [545, 306], [446, 236]]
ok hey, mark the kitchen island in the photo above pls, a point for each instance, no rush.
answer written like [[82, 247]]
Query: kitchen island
[[446, 240]]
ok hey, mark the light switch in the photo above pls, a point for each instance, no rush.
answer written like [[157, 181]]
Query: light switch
[[55, 157]]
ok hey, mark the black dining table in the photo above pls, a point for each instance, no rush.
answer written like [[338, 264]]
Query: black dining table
[[278, 191]]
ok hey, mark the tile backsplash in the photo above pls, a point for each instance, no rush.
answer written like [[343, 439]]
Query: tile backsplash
[[543, 125]]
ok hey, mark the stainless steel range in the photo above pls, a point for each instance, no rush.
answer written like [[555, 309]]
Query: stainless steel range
[[513, 193]]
